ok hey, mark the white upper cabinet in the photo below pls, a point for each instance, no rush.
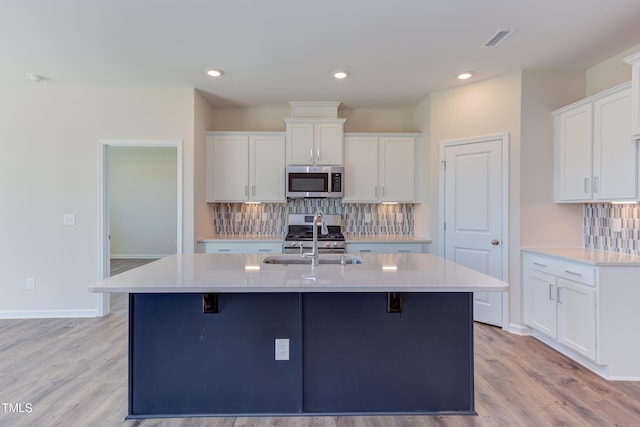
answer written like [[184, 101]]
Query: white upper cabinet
[[379, 168], [315, 141], [396, 169], [595, 156], [614, 151], [361, 169], [245, 166], [634, 60]]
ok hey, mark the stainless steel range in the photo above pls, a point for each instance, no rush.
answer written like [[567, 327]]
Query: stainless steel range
[[300, 235]]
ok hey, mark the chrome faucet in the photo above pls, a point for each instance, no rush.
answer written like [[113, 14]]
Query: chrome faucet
[[319, 216]]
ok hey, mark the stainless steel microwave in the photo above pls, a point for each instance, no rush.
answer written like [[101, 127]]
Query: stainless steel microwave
[[314, 181]]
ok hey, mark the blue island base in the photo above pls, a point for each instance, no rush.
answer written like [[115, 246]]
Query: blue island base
[[347, 354]]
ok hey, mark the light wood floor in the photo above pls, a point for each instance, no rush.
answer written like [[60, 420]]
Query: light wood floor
[[73, 372], [119, 265]]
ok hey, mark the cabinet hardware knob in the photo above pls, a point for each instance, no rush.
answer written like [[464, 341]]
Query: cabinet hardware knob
[[495, 242]]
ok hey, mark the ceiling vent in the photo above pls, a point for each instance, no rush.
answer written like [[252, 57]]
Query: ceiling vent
[[497, 38]]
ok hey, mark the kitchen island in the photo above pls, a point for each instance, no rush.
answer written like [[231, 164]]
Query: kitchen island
[[244, 334]]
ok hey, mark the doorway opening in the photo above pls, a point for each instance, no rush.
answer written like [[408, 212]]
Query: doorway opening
[[140, 205]]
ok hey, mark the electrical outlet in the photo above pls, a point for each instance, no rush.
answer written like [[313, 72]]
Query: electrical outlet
[[616, 225], [367, 217], [238, 216], [282, 349], [69, 219], [31, 284], [265, 216], [399, 217]]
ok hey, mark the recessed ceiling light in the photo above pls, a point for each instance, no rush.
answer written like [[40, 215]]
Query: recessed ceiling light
[[466, 75], [341, 75], [215, 72]]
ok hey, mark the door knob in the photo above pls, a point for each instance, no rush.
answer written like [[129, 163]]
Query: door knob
[[495, 242]]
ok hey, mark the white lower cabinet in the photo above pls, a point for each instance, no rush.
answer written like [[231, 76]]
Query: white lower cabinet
[[542, 312], [577, 317], [562, 309], [386, 248], [586, 311], [239, 247]]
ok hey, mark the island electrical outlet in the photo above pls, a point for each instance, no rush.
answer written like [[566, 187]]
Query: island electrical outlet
[[282, 349]]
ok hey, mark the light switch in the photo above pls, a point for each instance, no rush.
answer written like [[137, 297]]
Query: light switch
[[69, 219]]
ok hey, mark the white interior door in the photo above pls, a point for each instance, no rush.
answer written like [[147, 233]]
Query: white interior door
[[474, 207]]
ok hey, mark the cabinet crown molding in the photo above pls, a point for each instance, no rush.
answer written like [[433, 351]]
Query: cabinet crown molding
[[314, 109]]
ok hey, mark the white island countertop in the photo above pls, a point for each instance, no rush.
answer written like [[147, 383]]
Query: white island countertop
[[223, 273]]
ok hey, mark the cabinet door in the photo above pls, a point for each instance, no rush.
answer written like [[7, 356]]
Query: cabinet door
[[540, 307], [615, 156], [228, 168], [300, 143], [396, 170], [635, 94], [328, 138], [577, 317], [574, 154], [361, 169], [267, 172]]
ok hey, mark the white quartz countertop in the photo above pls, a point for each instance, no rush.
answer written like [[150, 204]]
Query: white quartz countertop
[[220, 273], [589, 256], [349, 238], [244, 237]]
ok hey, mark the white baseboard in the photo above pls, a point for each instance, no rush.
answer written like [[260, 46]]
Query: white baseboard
[[47, 314], [516, 329], [138, 256]]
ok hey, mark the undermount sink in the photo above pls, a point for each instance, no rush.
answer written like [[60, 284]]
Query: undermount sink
[[324, 259]]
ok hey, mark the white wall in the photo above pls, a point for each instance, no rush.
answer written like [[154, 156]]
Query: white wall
[[609, 73], [272, 119], [49, 166], [484, 108], [143, 201], [519, 104], [543, 222], [204, 116]]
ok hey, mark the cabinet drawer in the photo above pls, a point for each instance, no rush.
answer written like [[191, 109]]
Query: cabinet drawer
[[239, 247], [577, 272], [386, 248]]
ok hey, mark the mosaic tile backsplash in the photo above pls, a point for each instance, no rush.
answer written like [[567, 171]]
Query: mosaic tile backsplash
[[271, 218], [599, 219]]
